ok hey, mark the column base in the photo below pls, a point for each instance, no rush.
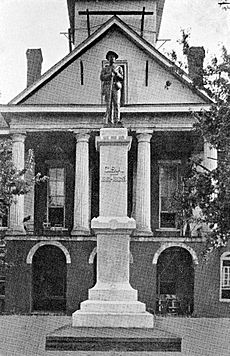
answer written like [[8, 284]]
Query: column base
[[16, 230], [142, 232], [80, 231]]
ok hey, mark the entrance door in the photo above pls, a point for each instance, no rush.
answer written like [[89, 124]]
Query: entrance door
[[49, 279], [175, 281]]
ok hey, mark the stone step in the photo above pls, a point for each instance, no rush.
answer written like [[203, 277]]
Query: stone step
[[70, 338], [124, 320], [112, 306]]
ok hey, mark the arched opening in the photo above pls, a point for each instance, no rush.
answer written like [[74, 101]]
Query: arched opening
[[49, 279], [175, 282]]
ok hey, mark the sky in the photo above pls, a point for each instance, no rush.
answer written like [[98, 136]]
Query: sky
[[38, 23]]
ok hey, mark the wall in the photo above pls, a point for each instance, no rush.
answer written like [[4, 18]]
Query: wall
[[81, 32], [18, 277], [80, 273], [80, 277], [207, 288], [66, 87], [143, 272]]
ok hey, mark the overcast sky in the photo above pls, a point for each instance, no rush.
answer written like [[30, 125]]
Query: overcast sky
[[38, 23]]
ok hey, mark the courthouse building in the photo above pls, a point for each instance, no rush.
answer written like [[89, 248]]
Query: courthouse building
[[50, 247]]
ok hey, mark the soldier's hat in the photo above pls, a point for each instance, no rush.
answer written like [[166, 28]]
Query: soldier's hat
[[111, 53]]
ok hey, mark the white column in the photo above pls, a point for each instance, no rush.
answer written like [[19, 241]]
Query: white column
[[143, 185], [209, 162], [81, 195], [29, 203], [210, 156], [17, 206]]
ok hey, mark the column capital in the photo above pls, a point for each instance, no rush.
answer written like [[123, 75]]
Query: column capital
[[19, 137], [82, 136], [144, 137]]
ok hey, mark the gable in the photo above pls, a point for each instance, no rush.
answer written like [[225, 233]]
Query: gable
[[72, 86]]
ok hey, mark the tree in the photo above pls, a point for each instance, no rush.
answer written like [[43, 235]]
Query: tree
[[205, 189], [13, 181]]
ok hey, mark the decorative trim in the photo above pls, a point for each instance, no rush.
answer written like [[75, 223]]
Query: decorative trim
[[174, 244], [94, 252], [92, 256], [32, 251], [50, 238], [145, 108]]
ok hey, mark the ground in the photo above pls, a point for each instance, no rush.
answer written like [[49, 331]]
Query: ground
[[25, 336]]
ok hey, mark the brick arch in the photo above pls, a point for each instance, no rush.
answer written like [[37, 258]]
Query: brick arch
[[32, 251], [94, 252], [172, 244]]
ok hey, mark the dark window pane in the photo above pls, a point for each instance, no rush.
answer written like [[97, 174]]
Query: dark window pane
[[168, 220], [225, 294], [56, 216], [2, 286]]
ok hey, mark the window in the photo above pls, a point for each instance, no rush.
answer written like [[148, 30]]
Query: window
[[124, 91], [225, 277], [168, 184], [56, 197]]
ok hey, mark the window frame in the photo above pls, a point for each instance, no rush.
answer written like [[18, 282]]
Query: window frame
[[161, 164], [224, 257], [55, 165], [124, 64]]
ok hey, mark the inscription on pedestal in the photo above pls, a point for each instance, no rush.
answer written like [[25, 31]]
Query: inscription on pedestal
[[113, 174]]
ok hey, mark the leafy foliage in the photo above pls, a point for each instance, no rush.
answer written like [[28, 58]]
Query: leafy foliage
[[13, 181], [209, 190]]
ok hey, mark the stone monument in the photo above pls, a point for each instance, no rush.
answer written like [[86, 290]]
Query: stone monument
[[112, 318], [112, 301]]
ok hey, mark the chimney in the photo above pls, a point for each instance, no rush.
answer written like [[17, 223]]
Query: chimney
[[195, 58], [34, 65]]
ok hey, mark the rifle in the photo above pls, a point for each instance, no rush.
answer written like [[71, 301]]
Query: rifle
[[110, 100]]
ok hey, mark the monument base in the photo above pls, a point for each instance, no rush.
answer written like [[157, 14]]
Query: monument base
[[114, 315], [69, 338]]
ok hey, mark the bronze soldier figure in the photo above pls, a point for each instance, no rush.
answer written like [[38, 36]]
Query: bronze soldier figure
[[112, 79]]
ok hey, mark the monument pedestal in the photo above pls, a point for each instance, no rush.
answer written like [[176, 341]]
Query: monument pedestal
[[112, 317], [112, 301]]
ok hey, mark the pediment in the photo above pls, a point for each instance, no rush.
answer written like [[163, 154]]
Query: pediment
[[150, 77]]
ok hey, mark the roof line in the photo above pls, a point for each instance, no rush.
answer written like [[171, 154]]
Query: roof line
[[68, 108], [140, 42]]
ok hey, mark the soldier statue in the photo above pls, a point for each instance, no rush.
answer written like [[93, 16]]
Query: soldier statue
[[112, 79]]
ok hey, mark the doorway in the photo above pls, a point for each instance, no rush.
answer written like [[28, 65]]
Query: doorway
[[49, 279], [175, 282]]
